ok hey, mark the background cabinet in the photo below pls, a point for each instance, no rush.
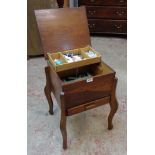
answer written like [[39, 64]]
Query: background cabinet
[[106, 16]]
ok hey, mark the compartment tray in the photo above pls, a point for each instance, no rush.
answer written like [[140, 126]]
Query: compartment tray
[[70, 65]]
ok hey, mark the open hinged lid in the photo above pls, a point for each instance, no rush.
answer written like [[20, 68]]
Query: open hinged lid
[[63, 29]]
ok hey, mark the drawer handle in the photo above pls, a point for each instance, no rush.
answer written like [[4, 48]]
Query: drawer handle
[[91, 25], [118, 26], [90, 106], [120, 13], [92, 12], [121, 1]]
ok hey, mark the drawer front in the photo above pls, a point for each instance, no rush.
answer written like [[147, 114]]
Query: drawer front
[[107, 12], [102, 2], [87, 106], [107, 26], [84, 91]]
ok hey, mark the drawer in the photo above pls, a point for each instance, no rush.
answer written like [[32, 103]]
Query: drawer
[[87, 106], [102, 2], [107, 26], [97, 86], [107, 12]]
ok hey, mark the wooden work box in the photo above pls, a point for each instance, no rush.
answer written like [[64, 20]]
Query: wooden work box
[[64, 30], [98, 86]]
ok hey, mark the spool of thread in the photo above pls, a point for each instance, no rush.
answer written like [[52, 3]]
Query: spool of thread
[[58, 61], [91, 54]]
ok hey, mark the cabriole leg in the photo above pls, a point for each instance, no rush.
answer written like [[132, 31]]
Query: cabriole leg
[[113, 105], [48, 90], [63, 123]]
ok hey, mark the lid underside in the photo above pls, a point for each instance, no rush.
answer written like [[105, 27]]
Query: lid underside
[[63, 29]]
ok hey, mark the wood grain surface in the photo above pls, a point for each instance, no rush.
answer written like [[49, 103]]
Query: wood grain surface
[[63, 29]]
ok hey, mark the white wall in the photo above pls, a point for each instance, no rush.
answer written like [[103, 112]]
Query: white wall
[[73, 3]]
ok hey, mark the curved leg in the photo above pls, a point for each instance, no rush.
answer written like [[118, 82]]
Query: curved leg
[[63, 123], [113, 105], [48, 90]]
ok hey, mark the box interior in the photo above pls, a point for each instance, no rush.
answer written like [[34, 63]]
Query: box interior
[[84, 72]]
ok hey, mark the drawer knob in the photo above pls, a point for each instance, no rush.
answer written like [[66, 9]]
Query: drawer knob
[[90, 106], [92, 1]]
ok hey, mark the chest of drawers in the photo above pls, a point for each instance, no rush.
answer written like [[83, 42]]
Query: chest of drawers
[[106, 16]]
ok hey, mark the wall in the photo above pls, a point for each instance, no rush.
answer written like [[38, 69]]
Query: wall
[[73, 3], [33, 38]]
